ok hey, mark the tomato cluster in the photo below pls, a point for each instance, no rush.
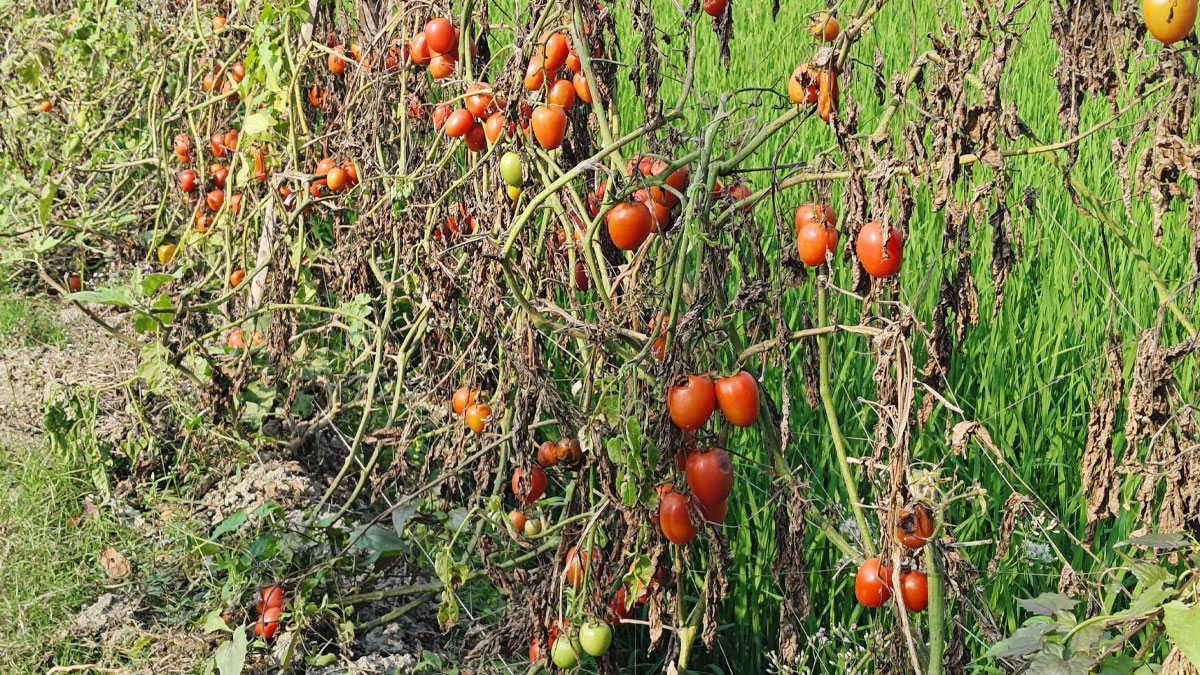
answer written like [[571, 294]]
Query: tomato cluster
[[269, 606], [469, 403], [874, 584]]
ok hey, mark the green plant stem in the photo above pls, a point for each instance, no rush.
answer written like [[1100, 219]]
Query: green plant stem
[[937, 608], [868, 546]]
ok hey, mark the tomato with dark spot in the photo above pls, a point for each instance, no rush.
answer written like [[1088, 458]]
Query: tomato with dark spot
[[529, 486], [710, 475], [802, 85], [1169, 20], [546, 455], [738, 398], [691, 400], [915, 525], [336, 62]]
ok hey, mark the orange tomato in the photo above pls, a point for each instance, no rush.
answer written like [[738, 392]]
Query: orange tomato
[[238, 71], [558, 48], [479, 99], [824, 27], [517, 519], [582, 90], [535, 74], [629, 224], [440, 114], [45, 106], [336, 62], [802, 85], [561, 93], [827, 93], [915, 525], [549, 125], [237, 277], [477, 416], [1169, 20], [463, 397], [441, 66], [235, 204], [270, 597], [419, 50], [494, 128], [336, 179], [215, 199]]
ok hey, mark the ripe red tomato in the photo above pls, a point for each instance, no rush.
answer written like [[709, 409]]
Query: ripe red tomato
[[536, 484], [231, 139], [440, 114], [235, 340], [217, 145], [619, 606], [710, 475], [182, 143], [477, 416], [738, 398], [238, 71], [336, 178], [660, 213], [419, 49], [629, 223], [914, 590], [582, 283], [441, 66], [236, 277], [235, 204], [549, 125], [562, 92], [814, 239], [479, 99], [824, 27], [535, 73], [187, 180], [575, 568], [475, 138], [268, 623], [260, 165], [714, 513], [269, 597], [915, 525], [691, 401], [441, 35], [1169, 20], [45, 106], [351, 170], [573, 61], [869, 586], [74, 283], [582, 90], [870, 250], [336, 62], [215, 200], [715, 7], [546, 456], [458, 123], [316, 96], [218, 22], [674, 519], [220, 175]]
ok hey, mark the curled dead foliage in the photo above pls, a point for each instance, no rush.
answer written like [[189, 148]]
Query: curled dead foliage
[[1156, 414], [1177, 664], [1017, 506], [647, 78], [1098, 466], [790, 569]]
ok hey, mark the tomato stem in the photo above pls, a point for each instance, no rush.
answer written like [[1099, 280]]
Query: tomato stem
[[937, 608], [835, 431]]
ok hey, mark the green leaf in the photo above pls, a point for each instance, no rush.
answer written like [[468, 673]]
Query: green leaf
[[1149, 599], [258, 123], [44, 244], [231, 655], [1047, 604], [213, 622], [1157, 540], [118, 297], [1183, 625], [616, 450], [231, 523], [1118, 664], [150, 284], [1024, 640], [1051, 662], [154, 367], [49, 190], [379, 538]]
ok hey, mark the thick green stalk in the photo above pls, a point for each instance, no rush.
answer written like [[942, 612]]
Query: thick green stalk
[[937, 608], [834, 430]]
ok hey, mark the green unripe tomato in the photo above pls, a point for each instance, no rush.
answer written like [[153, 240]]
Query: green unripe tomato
[[510, 169], [533, 527], [564, 653], [595, 637]]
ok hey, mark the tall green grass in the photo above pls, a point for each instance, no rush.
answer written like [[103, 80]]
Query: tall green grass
[[1026, 373]]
